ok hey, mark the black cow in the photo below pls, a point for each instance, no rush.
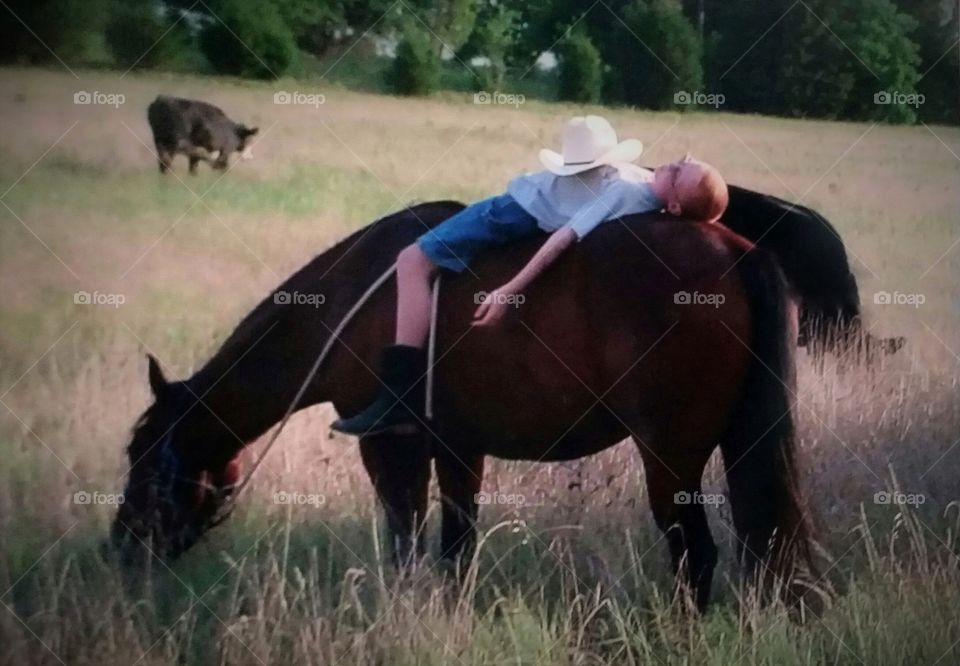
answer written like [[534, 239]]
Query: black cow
[[814, 260], [196, 129]]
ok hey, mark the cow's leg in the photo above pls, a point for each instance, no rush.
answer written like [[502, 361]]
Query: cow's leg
[[399, 468], [673, 484], [164, 158], [460, 477]]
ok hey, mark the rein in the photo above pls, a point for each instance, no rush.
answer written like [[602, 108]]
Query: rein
[[321, 357]]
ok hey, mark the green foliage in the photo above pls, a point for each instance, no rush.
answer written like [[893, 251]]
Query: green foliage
[[449, 22], [819, 58], [49, 31], [321, 25], [249, 38], [416, 67], [138, 35], [314, 24], [495, 34], [745, 61], [654, 54], [581, 70], [822, 58], [937, 34], [858, 68]]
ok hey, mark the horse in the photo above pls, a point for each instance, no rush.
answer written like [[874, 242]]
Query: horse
[[678, 335], [814, 259]]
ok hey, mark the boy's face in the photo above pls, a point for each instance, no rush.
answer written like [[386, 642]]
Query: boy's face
[[676, 182]]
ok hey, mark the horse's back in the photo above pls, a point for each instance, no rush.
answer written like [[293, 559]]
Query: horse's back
[[641, 317]]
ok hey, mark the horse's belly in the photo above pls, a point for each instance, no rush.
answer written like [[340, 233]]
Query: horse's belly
[[551, 438], [566, 448]]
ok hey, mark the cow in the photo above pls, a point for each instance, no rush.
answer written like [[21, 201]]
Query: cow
[[199, 130]]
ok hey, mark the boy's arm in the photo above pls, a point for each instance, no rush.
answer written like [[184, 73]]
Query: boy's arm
[[492, 310], [587, 218]]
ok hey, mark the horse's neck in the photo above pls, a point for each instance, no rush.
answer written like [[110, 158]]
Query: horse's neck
[[256, 374], [249, 385]]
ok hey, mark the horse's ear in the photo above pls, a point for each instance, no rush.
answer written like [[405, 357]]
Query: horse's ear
[[158, 383]]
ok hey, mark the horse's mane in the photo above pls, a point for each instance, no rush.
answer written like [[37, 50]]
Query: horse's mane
[[382, 239]]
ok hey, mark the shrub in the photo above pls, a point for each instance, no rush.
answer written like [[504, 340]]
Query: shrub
[[248, 38], [654, 54], [140, 36], [581, 70], [416, 67], [60, 31]]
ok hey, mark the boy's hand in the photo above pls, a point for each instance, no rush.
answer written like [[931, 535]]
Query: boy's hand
[[493, 308], [510, 294]]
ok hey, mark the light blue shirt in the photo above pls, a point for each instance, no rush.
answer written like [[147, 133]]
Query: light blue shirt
[[584, 200]]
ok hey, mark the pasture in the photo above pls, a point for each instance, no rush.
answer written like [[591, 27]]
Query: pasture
[[104, 260]]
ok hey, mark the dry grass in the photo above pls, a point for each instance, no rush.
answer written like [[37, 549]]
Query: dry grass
[[580, 578]]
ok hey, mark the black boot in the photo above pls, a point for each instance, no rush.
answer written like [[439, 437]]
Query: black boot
[[398, 408]]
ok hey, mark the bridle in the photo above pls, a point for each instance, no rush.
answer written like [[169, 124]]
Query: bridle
[[170, 462]]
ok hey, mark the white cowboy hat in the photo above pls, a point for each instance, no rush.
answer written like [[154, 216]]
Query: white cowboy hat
[[588, 142]]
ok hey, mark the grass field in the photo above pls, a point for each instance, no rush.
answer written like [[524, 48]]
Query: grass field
[[579, 579]]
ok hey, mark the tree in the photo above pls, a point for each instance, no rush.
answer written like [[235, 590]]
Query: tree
[[745, 60], [653, 55], [315, 25], [854, 60], [448, 22], [49, 31], [248, 38], [144, 35], [581, 70], [416, 67], [495, 34], [937, 34]]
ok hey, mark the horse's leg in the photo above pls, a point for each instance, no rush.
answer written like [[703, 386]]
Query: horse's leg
[[673, 484], [399, 468], [459, 478]]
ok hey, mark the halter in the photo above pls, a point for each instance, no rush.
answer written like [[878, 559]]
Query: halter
[[170, 461]]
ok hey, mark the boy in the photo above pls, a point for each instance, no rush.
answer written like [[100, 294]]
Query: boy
[[589, 182]]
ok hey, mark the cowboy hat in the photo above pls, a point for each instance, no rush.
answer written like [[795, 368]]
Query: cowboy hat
[[588, 142]]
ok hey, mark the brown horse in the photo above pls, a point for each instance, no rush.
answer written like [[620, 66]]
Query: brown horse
[[640, 331]]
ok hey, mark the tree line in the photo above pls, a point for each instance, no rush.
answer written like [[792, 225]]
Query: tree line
[[884, 60]]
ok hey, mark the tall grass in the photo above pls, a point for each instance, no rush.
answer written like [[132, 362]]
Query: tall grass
[[578, 576]]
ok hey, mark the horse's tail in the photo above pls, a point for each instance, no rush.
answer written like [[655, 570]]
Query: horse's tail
[[759, 446]]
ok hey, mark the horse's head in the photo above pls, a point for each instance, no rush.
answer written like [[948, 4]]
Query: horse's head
[[175, 488]]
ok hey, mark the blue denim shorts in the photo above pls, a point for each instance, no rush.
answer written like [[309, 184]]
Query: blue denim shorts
[[456, 242]]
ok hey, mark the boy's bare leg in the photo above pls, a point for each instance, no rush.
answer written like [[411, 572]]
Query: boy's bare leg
[[414, 271], [396, 406]]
